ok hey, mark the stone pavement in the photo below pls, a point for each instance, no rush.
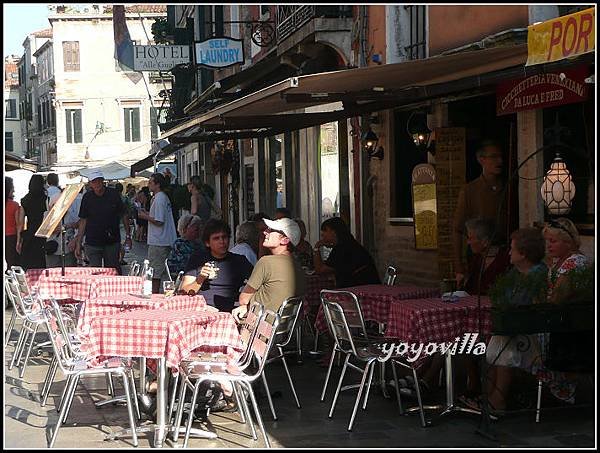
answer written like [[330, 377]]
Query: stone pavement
[[27, 425]]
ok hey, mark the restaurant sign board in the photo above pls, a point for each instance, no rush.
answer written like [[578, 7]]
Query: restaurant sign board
[[159, 58], [219, 52], [424, 206], [542, 91], [562, 37]]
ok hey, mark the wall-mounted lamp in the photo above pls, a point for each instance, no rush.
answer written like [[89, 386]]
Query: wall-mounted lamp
[[558, 189], [370, 140], [417, 128]]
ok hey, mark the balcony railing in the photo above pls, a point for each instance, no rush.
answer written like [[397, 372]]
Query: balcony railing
[[290, 18]]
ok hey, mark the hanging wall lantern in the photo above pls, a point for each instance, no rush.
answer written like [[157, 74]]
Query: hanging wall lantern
[[419, 131], [558, 189]]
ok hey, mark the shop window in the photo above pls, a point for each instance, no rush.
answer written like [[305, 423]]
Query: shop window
[[73, 122], [71, 55], [131, 118], [8, 141]]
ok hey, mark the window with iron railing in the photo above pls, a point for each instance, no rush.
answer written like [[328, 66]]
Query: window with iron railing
[[416, 48]]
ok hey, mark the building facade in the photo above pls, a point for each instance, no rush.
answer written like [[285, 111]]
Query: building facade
[[12, 126]]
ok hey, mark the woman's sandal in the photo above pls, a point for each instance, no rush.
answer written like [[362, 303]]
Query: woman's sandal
[[477, 404]]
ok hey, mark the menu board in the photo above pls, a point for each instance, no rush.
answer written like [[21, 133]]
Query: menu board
[[450, 149], [424, 206], [58, 211]]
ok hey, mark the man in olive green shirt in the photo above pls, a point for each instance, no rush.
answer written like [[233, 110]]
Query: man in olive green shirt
[[277, 276]]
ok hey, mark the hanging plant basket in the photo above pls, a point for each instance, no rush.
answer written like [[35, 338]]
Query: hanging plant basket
[[538, 318]]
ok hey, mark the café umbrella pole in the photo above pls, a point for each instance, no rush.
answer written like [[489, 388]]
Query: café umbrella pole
[[62, 243]]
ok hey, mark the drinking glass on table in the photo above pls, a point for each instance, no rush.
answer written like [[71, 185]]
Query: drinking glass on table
[[169, 288], [213, 270]]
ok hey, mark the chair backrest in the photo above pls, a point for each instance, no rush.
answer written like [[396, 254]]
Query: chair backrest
[[264, 339], [248, 329], [19, 274], [390, 276], [134, 269], [14, 295], [167, 269], [349, 302], [59, 336], [338, 325], [288, 317]]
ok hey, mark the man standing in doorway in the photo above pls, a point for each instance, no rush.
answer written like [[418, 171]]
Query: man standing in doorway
[[484, 198], [99, 216], [161, 228]]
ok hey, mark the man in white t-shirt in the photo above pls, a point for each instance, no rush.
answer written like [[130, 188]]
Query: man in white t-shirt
[[161, 228]]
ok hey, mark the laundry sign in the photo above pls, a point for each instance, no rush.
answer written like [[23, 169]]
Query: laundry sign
[[219, 52]]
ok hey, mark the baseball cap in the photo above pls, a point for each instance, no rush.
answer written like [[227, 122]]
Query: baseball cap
[[95, 174], [287, 227]]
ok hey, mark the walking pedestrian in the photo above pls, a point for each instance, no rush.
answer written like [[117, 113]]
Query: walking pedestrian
[[35, 203], [101, 209], [12, 225]]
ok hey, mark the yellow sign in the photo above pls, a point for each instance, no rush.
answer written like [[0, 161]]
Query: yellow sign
[[424, 206], [58, 210], [562, 37]]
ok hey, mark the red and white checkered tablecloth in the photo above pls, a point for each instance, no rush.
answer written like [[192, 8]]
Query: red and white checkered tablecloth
[[161, 333], [314, 284], [114, 304], [34, 275], [375, 300], [88, 286], [433, 320]]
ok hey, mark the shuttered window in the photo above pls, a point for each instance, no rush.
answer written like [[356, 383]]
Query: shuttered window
[[132, 124], [71, 55], [73, 121]]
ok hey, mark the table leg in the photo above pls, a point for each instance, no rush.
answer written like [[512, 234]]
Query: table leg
[[450, 406]]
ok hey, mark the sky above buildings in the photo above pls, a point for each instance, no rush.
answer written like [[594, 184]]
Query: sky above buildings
[[20, 19]]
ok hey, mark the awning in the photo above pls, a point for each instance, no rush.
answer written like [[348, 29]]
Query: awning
[[353, 92], [148, 161], [112, 171], [280, 107], [15, 162]]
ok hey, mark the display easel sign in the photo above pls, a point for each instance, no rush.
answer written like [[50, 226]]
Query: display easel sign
[[424, 207], [58, 210]]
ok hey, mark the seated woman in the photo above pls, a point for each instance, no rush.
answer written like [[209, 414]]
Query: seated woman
[[188, 228], [303, 251], [246, 241], [569, 352], [221, 287], [528, 285], [349, 260], [492, 258]]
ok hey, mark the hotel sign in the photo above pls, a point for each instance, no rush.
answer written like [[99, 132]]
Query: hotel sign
[[542, 90], [220, 52], [159, 58], [562, 37]]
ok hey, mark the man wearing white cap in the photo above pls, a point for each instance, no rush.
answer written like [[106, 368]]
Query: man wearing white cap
[[277, 276], [101, 209]]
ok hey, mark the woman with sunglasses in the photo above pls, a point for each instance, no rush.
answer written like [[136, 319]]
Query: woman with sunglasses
[[562, 247]]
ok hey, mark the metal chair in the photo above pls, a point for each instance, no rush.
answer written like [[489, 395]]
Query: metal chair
[[288, 313], [74, 366], [247, 331], [195, 374], [390, 276], [346, 343], [31, 317], [354, 318]]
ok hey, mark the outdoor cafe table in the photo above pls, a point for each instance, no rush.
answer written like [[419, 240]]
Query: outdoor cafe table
[[432, 320], [314, 284], [84, 287], [34, 275], [163, 334], [375, 301]]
